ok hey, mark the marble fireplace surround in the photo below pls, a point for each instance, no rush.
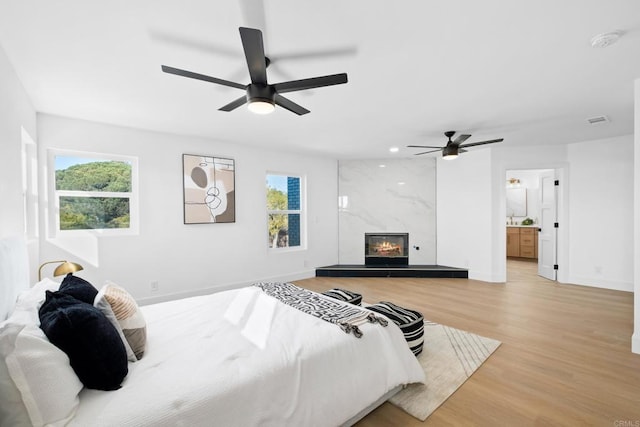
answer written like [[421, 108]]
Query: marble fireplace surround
[[387, 196]]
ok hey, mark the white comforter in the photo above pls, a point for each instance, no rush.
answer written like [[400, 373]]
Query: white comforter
[[242, 358]]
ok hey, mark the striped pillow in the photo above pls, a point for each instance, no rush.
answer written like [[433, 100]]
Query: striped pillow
[[344, 295], [411, 323], [128, 316]]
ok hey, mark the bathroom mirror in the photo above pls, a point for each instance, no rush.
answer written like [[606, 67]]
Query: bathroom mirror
[[516, 202]]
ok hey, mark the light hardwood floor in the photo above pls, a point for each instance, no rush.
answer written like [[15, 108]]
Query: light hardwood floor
[[565, 357]]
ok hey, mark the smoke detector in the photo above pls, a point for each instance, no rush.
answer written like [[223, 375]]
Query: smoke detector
[[605, 39]]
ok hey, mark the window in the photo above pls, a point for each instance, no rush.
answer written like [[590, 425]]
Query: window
[[284, 211], [94, 192], [30, 185]]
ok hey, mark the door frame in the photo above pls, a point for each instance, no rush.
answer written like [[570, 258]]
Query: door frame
[[562, 240]]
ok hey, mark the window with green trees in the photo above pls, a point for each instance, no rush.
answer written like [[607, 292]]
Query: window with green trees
[[94, 192], [284, 211]]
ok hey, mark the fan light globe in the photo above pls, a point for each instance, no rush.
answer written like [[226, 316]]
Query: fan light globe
[[449, 156], [261, 107]]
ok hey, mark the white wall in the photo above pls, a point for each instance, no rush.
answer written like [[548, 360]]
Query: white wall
[[601, 219], [399, 197], [16, 114], [192, 259], [464, 217]]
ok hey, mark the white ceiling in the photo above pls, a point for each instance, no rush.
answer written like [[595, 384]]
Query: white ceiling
[[522, 70]]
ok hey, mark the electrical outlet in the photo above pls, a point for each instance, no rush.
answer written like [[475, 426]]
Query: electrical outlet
[[155, 286]]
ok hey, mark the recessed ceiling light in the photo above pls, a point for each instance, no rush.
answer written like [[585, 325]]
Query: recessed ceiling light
[[605, 39], [394, 149], [382, 166], [401, 183]]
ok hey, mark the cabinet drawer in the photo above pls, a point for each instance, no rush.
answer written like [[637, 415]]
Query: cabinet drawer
[[527, 240], [527, 252], [527, 231], [513, 230]]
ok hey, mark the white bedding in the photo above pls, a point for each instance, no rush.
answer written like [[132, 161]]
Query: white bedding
[[242, 358]]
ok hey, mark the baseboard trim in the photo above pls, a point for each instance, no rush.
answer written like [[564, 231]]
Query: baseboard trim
[[601, 283], [635, 343], [306, 274], [486, 276]]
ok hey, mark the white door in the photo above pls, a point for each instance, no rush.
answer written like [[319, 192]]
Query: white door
[[547, 231]]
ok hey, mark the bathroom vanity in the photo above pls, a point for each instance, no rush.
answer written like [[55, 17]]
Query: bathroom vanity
[[522, 241]]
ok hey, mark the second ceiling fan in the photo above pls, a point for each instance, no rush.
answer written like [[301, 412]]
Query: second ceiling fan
[[260, 95], [455, 147]]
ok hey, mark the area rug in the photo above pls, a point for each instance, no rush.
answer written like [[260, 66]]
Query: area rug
[[449, 358]]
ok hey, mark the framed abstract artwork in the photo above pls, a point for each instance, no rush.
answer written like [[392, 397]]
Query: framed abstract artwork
[[209, 189]]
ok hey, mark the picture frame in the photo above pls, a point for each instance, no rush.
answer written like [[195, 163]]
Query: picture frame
[[208, 189]]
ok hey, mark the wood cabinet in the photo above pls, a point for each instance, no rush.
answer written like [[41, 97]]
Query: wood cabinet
[[522, 242], [513, 241]]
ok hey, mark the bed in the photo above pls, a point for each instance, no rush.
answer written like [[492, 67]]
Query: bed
[[233, 358]]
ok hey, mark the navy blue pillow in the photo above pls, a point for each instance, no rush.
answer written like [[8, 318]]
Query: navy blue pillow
[[94, 347], [78, 288]]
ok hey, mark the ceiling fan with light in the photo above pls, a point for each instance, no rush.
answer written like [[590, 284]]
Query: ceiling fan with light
[[455, 147], [261, 96]]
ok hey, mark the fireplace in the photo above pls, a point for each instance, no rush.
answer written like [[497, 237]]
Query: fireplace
[[386, 249]]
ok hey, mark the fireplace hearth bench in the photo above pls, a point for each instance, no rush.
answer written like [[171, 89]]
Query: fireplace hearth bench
[[359, 270]]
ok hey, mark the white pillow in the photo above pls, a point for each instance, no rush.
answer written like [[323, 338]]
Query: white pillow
[[39, 386], [31, 299]]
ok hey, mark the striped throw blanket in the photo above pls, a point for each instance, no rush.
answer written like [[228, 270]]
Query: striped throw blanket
[[347, 316]]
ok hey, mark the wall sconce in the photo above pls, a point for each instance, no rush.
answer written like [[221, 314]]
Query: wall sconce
[[65, 267]]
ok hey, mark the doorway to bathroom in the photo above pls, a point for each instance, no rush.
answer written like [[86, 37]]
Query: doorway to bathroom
[[531, 220]]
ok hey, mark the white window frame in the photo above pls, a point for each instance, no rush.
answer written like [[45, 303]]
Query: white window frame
[[30, 186], [302, 212], [54, 195]]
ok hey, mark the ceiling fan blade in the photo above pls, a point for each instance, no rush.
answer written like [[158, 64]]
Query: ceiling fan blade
[[254, 53], [462, 150], [427, 152], [294, 85], [290, 105], [472, 144], [192, 75], [234, 104], [423, 146], [460, 139]]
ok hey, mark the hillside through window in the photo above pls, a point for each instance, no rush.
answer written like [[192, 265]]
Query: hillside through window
[[94, 193]]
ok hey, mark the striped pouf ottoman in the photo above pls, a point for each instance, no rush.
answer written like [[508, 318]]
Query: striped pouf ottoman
[[344, 295], [411, 323]]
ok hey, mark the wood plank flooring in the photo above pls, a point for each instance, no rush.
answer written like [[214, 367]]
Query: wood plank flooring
[[565, 358]]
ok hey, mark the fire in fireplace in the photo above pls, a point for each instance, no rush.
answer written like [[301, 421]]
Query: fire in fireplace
[[386, 249]]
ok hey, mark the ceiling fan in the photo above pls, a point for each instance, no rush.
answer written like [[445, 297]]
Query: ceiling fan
[[455, 147], [260, 95]]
